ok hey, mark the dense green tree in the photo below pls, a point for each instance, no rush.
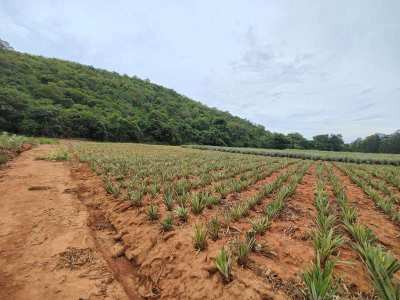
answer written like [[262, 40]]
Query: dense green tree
[[328, 142], [377, 143], [297, 141]]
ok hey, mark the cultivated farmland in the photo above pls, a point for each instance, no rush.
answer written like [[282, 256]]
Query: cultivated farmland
[[208, 224]]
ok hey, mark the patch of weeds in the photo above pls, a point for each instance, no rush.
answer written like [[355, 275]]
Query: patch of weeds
[[61, 154]]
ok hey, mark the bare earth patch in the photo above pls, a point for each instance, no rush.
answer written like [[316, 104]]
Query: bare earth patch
[[47, 251]]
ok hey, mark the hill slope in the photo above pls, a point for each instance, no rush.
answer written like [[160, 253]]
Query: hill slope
[[51, 97]]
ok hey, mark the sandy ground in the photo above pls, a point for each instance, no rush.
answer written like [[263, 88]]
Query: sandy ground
[[47, 250]]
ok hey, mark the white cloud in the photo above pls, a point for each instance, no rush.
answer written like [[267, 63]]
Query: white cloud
[[306, 66]]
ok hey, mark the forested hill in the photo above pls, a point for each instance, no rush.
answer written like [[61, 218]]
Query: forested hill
[[56, 98]]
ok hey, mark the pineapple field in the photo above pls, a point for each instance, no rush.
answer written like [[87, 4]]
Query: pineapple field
[[204, 224]]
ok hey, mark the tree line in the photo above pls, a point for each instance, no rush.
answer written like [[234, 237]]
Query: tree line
[[55, 98]]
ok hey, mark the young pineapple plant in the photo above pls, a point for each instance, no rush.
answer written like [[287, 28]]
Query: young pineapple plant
[[381, 268], [242, 251], [136, 197], [182, 213], [199, 237], [223, 263], [211, 200], [260, 225], [152, 212], [361, 234], [326, 243], [197, 203], [167, 223], [112, 188], [319, 280], [154, 190], [213, 228], [169, 200], [238, 211], [182, 199]]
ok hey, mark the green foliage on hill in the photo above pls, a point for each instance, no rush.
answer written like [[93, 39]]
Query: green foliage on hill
[[50, 97]]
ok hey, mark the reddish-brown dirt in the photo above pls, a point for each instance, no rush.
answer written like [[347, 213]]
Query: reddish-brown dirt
[[47, 251]]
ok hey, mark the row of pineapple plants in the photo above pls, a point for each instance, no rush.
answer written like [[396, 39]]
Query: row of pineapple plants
[[120, 162], [386, 204], [182, 183], [196, 202], [340, 157], [391, 175], [240, 250], [319, 278], [241, 209], [380, 263], [376, 183], [181, 186]]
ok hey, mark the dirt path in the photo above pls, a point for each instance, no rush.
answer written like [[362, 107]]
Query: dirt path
[[47, 251]]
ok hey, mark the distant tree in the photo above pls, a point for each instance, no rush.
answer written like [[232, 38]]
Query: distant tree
[[321, 142], [13, 105], [278, 141], [297, 141], [371, 143], [336, 142], [333, 142], [390, 143]]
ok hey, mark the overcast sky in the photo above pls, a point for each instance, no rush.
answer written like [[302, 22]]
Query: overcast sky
[[307, 66]]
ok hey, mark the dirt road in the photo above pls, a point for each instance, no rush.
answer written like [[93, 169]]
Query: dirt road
[[47, 251]]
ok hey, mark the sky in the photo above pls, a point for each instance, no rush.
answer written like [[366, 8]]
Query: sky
[[306, 66]]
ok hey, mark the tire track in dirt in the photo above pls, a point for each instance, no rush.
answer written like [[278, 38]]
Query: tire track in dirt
[[46, 248]]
